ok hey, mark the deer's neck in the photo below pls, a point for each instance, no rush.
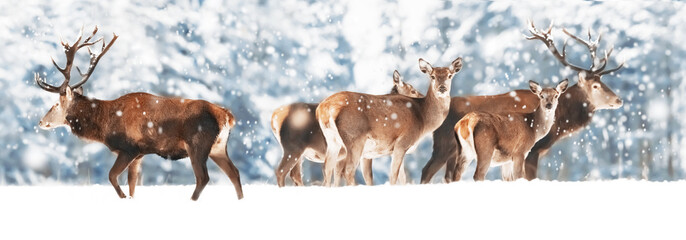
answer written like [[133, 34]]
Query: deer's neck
[[541, 122], [86, 118], [574, 110], [434, 108]]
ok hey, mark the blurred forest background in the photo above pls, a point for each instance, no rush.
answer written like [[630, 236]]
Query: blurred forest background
[[253, 56]]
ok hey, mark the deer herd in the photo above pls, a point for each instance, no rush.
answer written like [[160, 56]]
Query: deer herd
[[511, 130]]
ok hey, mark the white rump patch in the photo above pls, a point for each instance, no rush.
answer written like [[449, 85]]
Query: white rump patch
[[219, 145]]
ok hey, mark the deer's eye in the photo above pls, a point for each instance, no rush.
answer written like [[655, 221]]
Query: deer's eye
[[596, 86]]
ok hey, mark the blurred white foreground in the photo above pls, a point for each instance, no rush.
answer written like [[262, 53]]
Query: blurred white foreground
[[465, 210]]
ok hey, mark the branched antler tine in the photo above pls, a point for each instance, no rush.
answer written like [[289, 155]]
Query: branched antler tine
[[612, 70], [592, 47], [585, 43], [605, 60], [532, 29], [45, 86], [78, 40], [62, 70], [545, 38], [87, 41], [85, 44], [95, 30], [95, 58]]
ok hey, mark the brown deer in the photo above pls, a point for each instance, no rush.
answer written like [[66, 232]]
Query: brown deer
[[357, 125], [499, 138], [297, 130], [139, 123], [575, 110]]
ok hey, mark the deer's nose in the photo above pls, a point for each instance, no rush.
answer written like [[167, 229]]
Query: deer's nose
[[619, 102], [549, 106], [442, 88]]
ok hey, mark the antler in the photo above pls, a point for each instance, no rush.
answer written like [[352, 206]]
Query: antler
[[94, 59], [545, 37], [70, 52], [590, 44]]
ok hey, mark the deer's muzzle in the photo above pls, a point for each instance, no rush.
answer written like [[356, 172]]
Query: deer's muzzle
[[442, 88]]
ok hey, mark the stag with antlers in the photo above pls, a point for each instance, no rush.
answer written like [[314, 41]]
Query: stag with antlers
[[575, 109], [137, 124]]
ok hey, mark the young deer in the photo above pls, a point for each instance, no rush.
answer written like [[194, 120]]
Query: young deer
[[296, 128], [575, 110], [357, 125], [139, 123], [505, 137]]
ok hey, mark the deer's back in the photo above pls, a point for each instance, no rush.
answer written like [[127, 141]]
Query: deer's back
[[144, 123], [511, 131]]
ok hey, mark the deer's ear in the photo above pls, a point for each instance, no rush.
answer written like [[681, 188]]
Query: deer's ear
[[582, 78], [397, 78], [562, 86], [535, 88], [456, 66], [425, 67], [79, 90], [69, 94]]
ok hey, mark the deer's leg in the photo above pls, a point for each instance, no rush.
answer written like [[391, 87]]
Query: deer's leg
[[444, 148], [330, 160], [367, 171], [199, 154], [518, 167], [539, 149], [483, 163], [461, 164], [507, 171], [339, 172], [134, 170], [122, 162], [329, 166], [451, 168], [296, 173], [402, 174], [484, 144], [353, 159], [396, 162], [222, 160], [290, 159]]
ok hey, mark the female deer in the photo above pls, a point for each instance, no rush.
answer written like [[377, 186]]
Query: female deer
[[297, 130], [505, 137], [358, 125]]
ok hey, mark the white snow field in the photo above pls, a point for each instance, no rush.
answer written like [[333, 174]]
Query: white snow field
[[466, 210]]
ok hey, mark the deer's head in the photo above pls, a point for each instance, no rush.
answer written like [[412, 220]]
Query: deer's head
[[441, 77], [548, 96], [57, 116], [600, 96], [403, 88]]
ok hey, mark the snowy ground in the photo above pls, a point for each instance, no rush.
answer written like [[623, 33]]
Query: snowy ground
[[539, 209]]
